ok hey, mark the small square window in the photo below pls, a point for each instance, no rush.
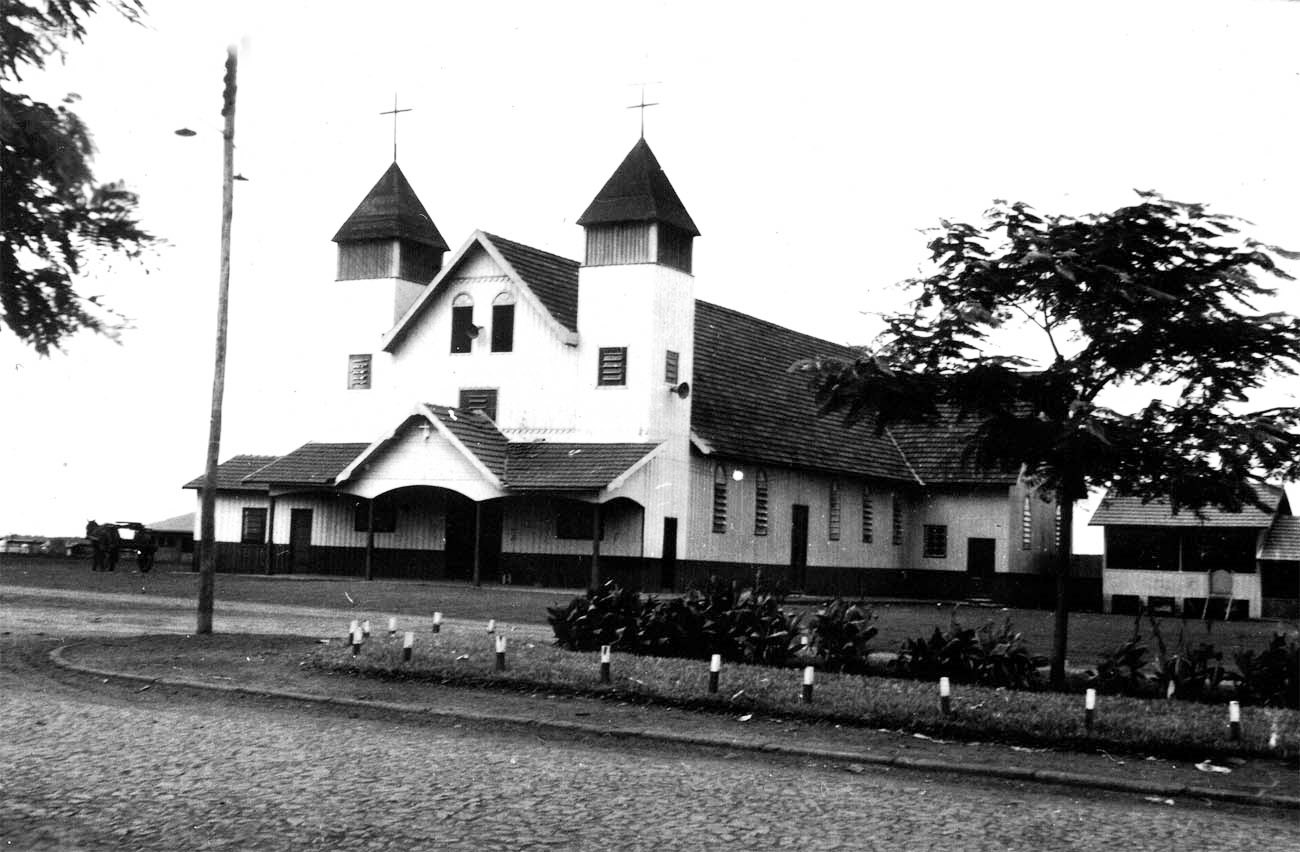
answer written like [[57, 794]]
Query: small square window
[[358, 372], [479, 399], [612, 368], [252, 528], [385, 515], [936, 541]]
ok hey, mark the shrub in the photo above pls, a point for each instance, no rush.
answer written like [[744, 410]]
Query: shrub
[[839, 634], [1271, 677], [601, 617], [985, 656]]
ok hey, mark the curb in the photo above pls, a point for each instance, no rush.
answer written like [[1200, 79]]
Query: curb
[[915, 764]]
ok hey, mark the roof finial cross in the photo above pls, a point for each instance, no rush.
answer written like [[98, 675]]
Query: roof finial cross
[[642, 106], [393, 112]]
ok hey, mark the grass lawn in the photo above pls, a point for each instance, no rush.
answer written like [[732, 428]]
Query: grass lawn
[[1180, 729], [1091, 634]]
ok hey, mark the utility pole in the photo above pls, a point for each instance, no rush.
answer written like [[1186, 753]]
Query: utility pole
[[207, 526]]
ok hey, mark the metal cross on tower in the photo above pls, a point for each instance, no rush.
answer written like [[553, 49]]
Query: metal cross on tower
[[642, 106], [393, 112]]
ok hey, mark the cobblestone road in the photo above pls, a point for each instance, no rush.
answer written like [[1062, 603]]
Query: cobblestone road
[[87, 765]]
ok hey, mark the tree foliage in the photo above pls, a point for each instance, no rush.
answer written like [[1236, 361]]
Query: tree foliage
[[1158, 293], [56, 220]]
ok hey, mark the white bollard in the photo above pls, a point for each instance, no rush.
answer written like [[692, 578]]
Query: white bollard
[[945, 696], [1089, 707], [392, 626], [437, 622], [501, 653], [353, 627], [604, 664], [492, 625], [356, 642], [715, 669], [1234, 720], [408, 642], [365, 629], [807, 684]]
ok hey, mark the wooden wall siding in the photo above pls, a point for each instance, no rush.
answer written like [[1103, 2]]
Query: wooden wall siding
[[1179, 585], [967, 514], [609, 245], [371, 259], [411, 461], [229, 514], [1042, 535], [420, 520], [786, 488], [528, 527], [662, 488], [573, 571]]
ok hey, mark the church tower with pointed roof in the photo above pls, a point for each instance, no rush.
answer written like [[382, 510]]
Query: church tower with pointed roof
[[636, 306], [391, 236]]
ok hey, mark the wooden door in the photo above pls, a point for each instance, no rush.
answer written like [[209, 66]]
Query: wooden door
[[299, 540], [798, 546], [668, 568]]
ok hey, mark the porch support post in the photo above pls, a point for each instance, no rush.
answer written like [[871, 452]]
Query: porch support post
[[478, 547], [370, 539], [595, 546], [270, 537]]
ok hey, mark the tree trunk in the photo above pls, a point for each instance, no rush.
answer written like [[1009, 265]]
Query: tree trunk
[[1062, 625]]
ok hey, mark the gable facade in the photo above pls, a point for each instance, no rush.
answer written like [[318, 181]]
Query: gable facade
[[531, 418]]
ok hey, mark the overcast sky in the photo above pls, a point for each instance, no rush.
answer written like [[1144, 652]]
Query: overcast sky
[[811, 143]]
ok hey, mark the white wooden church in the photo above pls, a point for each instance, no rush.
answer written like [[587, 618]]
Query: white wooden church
[[528, 418]]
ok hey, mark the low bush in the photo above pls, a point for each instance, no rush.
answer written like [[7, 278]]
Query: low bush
[[989, 656], [1271, 677]]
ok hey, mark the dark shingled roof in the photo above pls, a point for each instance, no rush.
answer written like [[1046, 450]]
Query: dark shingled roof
[[1283, 540], [552, 278], [936, 451], [476, 431], [746, 405], [544, 466], [638, 191], [231, 473], [391, 209], [1120, 510], [310, 464]]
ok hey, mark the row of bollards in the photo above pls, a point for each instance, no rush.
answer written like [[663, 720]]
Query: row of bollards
[[359, 632]]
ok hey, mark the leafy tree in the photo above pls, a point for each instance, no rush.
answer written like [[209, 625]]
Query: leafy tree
[[56, 220], [1158, 293]]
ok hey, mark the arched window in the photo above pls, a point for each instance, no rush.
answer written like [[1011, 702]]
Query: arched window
[[503, 322], [760, 503], [868, 533], [719, 499], [833, 513], [463, 330]]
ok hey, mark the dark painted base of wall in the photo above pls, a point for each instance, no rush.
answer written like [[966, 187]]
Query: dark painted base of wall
[[574, 572]]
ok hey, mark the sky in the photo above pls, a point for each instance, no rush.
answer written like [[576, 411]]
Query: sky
[[812, 143]]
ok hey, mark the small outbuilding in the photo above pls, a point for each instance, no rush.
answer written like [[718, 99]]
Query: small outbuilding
[[1212, 562]]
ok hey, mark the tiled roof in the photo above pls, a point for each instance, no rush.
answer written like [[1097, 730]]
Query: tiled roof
[[552, 278], [545, 466], [936, 451], [391, 209], [476, 431], [746, 405], [310, 464], [180, 523], [1120, 510], [1283, 540], [231, 473], [638, 191]]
